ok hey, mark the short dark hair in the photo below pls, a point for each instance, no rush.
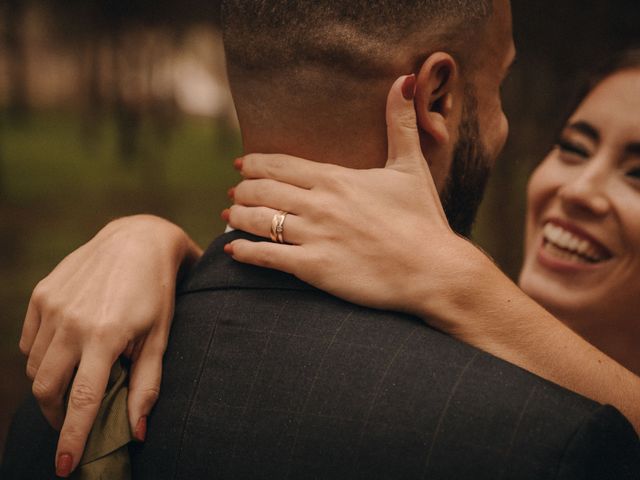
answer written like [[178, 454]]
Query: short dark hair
[[353, 36]]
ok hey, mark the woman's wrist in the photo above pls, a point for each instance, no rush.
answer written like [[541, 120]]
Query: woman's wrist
[[142, 231], [479, 305], [447, 283]]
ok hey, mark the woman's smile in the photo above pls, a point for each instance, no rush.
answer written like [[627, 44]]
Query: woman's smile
[[582, 258], [566, 248]]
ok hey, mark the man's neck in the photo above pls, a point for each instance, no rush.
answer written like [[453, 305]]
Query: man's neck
[[348, 131], [353, 150]]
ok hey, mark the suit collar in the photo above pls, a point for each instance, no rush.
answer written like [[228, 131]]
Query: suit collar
[[216, 270]]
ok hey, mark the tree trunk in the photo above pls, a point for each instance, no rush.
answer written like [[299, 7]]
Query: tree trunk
[[16, 61]]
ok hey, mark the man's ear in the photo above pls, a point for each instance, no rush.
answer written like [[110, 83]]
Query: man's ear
[[435, 94]]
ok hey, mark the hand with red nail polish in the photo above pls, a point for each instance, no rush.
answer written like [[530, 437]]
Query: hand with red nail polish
[[113, 296], [64, 465], [409, 87], [140, 432], [319, 227]]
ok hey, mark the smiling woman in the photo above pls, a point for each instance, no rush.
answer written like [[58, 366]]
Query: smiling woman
[[583, 223]]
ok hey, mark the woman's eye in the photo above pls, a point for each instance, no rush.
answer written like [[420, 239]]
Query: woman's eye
[[634, 173], [573, 149]]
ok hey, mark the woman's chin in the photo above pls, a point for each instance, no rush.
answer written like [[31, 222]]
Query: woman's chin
[[579, 309], [563, 282]]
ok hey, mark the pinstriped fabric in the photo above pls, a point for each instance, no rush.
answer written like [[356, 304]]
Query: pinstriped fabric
[[265, 377], [299, 384]]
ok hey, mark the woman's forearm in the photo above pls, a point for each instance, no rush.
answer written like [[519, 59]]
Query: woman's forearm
[[181, 250], [482, 307]]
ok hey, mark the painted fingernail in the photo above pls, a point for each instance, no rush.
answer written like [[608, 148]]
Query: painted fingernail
[[231, 192], [141, 429], [64, 464], [237, 164], [409, 87], [226, 213], [228, 249]]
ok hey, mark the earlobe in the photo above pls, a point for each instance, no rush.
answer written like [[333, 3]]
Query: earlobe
[[435, 96]]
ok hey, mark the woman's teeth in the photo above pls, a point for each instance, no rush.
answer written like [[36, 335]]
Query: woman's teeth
[[566, 245]]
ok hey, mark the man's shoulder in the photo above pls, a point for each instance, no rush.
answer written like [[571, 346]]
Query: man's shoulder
[[269, 302], [216, 270], [375, 378], [397, 397]]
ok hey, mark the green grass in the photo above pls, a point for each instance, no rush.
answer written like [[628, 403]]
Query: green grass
[[52, 150]]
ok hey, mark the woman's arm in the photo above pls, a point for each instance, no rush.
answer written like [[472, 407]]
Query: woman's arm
[[380, 238], [365, 252], [112, 296], [490, 312]]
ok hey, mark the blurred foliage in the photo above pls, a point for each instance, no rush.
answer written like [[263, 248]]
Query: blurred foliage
[[91, 17], [61, 193]]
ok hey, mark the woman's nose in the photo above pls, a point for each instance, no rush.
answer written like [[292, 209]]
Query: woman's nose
[[587, 192]]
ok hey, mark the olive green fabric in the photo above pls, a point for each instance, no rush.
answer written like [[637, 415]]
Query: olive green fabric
[[106, 455]]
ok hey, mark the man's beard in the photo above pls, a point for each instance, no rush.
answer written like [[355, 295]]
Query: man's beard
[[470, 169]]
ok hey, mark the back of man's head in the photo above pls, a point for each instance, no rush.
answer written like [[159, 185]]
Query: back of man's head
[[307, 75], [359, 38]]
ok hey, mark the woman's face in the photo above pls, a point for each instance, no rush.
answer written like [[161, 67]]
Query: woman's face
[[582, 258]]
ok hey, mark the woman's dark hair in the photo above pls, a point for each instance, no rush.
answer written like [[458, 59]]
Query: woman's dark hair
[[628, 59]]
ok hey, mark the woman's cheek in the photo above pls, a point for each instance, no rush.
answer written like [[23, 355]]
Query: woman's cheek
[[536, 188]]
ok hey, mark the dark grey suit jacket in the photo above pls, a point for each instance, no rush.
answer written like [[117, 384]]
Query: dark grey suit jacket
[[267, 377]]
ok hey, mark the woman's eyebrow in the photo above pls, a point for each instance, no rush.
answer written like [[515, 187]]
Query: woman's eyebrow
[[586, 129]]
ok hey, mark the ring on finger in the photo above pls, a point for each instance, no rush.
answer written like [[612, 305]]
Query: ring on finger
[[277, 226]]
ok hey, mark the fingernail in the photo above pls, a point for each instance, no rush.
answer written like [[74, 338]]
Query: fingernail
[[231, 192], [141, 429], [237, 164], [225, 214], [409, 87], [228, 249], [64, 464]]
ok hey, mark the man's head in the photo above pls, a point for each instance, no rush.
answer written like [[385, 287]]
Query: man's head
[[310, 78]]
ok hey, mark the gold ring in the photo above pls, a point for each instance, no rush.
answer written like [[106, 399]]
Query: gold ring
[[277, 227]]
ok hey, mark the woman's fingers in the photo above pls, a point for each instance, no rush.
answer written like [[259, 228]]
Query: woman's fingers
[[285, 168], [270, 193], [257, 220], [144, 384], [85, 398], [402, 129], [52, 380], [286, 258], [39, 349], [403, 139], [30, 327]]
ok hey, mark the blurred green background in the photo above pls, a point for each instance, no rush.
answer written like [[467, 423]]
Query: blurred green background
[[109, 108]]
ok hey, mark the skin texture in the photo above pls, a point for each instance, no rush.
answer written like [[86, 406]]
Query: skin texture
[[591, 181]]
